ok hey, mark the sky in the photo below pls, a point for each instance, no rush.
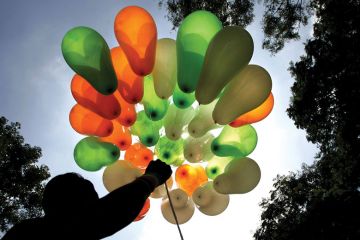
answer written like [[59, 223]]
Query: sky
[[35, 91]]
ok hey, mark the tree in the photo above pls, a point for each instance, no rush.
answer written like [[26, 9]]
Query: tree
[[21, 179]]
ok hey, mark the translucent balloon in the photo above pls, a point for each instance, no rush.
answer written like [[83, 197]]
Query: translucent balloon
[[130, 85], [175, 121], [91, 154], [208, 201], [139, 155], [240, 176], [164, 72], [135, 30], [87, 96], [198, 149], [87, 53], [193, 38], [160, 191], [181, 99], [86, 122], [143, 211], [203, 121], [169, 151], [128, 113], [245, 92], [120, 136], [189, 177], [183, 207], [216, 166], [235, 142], [119, 174], [155, 107], [228, 53], [146, 130]]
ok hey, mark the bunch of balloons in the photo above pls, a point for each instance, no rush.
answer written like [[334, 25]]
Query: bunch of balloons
[[147, 88]]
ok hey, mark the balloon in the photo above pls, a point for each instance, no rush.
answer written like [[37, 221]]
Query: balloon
[[181, 99], [235, 142], [104, 105], [198, 149], [160, 191], [245, 92], [143, 211], [139, 155], [228, 53], [203, 121], [208, 201], [216, 166], [135, 30], [189, 177], [130, 85], [146, 130], [119, 174], [91, 154], [120, 136], [87, 53], [175, 121], [169, 151], [86, 122], [193, 38], [128, 113], [183, 207], [155, 107], [240, 176], [164, 72]]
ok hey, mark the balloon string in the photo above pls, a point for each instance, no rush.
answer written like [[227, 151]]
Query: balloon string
[[173, 211]]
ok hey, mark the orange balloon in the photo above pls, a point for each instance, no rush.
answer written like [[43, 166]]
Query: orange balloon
[[120, 136], [128, 113], [144, 210], [86, 95], [256, 114], [130, 85], [139, 155], [87, 122], [189, 177], [135, 30]]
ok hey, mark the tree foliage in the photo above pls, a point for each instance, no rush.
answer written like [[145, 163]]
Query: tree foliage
[[21, 179]]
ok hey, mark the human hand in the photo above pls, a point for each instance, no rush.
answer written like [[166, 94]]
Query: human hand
[[160, 170]]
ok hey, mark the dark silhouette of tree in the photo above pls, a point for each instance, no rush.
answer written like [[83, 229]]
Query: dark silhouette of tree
[[21, 179], [323, 200]]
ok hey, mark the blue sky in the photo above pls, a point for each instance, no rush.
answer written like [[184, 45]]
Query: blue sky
[[35, 91]]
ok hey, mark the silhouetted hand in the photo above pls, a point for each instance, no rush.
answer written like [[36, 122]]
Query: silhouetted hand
[[160, 170]]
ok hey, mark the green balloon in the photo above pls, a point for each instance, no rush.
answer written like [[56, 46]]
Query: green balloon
[[193, 38], [203, 121], [170, 152], [198, 149], [235, 142], [165, 67], [87, 53], [228, 53], [175, 121], [216, 166], [91, 154], [155, 107], [146, 129], [181, 99]]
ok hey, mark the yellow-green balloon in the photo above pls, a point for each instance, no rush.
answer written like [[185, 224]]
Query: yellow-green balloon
[[240, 176], [193, 38], [235, 142], [175, 121], [165, 68], [203, 121], [87, 53], [181, 99], [246, 91], [91, 154], [228, 53], [155, 107], [216, 166], [170, 151], [198, 149], [146, 129]]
